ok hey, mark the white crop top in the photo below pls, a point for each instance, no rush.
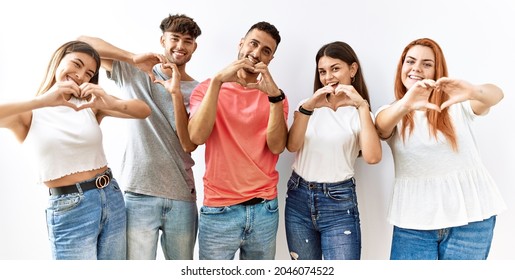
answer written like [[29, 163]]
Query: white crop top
[[65, 141]]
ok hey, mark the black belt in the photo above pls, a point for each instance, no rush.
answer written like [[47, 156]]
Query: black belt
[[99, 182], [252, 201]]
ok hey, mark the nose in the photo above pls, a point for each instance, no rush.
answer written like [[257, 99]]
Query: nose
[[78, 78], [327, 76], [416, 67], [180, 43], [254, 55]]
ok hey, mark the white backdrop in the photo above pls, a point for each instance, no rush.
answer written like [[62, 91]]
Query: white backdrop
[[476, 38]]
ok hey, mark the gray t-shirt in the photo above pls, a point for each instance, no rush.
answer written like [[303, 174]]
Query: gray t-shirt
[[154, 162]]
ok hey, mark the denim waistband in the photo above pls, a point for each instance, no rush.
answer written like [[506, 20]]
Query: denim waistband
[[300, 182]]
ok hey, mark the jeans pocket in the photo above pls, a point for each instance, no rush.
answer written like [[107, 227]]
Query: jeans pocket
[[292, 184], [206, 210], [115, 185], [341, 193], [272, 206], [64, 203]]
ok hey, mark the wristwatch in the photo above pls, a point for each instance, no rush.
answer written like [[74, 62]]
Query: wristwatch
[[275, 99]]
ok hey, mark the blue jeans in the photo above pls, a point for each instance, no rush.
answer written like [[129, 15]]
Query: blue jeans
[[148, 215], [322, 220], [251, 229], [468, 242], [88, 225]]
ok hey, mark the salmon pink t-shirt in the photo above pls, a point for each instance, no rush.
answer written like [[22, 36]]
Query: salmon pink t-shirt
[[239, 164]]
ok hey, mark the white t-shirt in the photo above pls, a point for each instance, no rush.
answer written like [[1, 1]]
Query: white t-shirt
[[436, 187], [331, 145]]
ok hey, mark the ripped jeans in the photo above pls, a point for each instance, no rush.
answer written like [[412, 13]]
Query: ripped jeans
[[322, 220]]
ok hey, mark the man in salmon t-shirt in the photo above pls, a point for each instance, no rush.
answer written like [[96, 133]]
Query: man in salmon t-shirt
[[240, 114]]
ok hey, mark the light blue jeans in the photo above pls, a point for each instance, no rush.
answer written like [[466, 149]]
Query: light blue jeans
[[468, 242], [251, 229], [88, 225], [147, 216], [322, 220]]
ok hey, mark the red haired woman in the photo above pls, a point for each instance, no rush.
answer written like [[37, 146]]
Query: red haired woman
[[444, 202]]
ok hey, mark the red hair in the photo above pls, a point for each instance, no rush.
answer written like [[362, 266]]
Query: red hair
[[438, 121]]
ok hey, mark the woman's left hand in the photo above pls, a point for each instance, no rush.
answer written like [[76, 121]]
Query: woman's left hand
[[95, 97], [457, 90]]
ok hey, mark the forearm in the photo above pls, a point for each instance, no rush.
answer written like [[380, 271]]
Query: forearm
[[369, 140], [486, 96], [130, 109], [277, 130], [107, 50], [387, 120], [202, 122], [297, 132], [181, 123], [11, 109]]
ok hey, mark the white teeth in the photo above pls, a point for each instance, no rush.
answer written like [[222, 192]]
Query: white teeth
[[251, 59]]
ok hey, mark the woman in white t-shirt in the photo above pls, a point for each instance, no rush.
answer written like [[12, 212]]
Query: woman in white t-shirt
[[86, 216], [329, 131], [444, 202]]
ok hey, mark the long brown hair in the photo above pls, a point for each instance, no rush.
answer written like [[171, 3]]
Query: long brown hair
[[438, 121], [63, 50]]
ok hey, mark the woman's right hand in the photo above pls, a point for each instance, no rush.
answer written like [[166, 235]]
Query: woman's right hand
[[417, 97], [319, 99], [60, 94]]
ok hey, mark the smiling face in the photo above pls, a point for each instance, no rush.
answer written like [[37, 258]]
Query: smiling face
[[333, 71], [418, 64], [178, 47], [257, 46], [76, 66]]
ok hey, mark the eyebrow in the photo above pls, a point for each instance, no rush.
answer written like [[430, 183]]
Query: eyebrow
[[181, 35], [82, 64], [259, 43], [331, 66], [411, 57]]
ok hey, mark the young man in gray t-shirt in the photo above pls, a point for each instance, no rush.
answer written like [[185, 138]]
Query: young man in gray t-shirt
[[157, 165]]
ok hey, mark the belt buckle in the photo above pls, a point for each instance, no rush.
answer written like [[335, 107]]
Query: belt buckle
[[102, 181]]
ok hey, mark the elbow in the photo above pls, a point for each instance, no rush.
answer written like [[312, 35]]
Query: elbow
[[277, 151], [383, 135], [146, 113], [189, 148], [501, 95], [277, 147], [292, 148], [374, 160], [196, 138]]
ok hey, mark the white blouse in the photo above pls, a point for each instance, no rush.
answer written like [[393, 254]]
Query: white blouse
[[436, 187]]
